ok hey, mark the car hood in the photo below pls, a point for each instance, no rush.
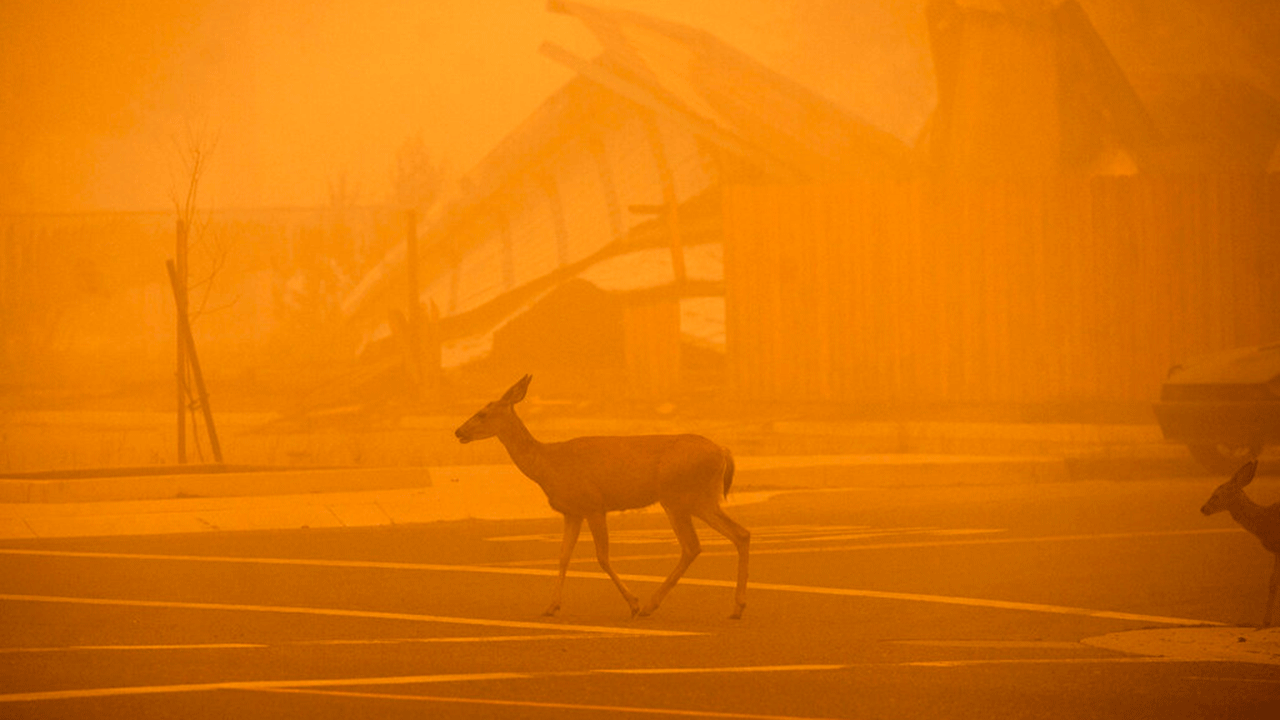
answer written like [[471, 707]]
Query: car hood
[[1238, 366]]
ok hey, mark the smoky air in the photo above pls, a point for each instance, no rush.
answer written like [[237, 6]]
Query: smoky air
[[943, 332]]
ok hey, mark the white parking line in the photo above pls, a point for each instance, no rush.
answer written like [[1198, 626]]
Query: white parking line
[[337, 612], [1264, 681], [98, 648], [470, 639], [1044, 661], [322, 685], [817, 546], [394, 680], [249, 685], [629, 709], [952, 600], [806, 589], [996, 644], [282, 685]]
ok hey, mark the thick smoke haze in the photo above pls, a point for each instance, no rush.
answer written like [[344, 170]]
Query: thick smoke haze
[[301, 95]]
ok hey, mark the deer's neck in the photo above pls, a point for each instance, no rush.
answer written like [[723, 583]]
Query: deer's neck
[[525, 450], [1249, 514]]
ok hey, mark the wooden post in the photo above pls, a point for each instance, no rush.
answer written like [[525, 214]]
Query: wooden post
[[652, 346], [431, 360], [671, 205], [185, 337], [414, 314], [178, 275]]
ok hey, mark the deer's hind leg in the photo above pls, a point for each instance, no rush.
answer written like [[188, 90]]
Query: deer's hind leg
[[682, 523], [741, 539], [600, 536]]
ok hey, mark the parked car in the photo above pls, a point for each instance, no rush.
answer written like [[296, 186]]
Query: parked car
[[1225, 407]]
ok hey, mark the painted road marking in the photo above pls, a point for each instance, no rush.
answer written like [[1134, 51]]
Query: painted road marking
[[730, 669], [1264, 681], [337, 612], [250, 685], [776, 587], [894, 545], [996, 644], [628, 709], [394, 680], [952, 600], [465, 640], [769, 534], [79, 648], [1042, 661], [299, 643], [311, 684]]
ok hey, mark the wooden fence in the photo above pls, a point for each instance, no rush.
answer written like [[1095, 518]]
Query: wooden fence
[[1020, 291]]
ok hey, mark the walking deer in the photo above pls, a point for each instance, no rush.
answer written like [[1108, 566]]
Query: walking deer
[[587, 477], [1262, 521]]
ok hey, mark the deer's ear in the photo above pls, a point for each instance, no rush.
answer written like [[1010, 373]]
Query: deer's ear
[[515, 393], [1244, 475]]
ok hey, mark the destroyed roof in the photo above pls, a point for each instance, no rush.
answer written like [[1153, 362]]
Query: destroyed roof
[[1033, 86], [1208, 73], [690, 71], [664, 114]]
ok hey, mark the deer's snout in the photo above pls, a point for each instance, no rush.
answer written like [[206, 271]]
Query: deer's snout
[[461, 438]]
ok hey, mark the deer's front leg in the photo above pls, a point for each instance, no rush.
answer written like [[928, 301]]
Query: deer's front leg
[[600, 536], [572, 526]]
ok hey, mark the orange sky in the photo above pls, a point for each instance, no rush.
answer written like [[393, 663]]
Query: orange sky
[[298, 94]]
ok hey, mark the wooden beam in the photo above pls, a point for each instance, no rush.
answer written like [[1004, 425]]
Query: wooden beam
[[179, 271], [596, 145], [692, 123], [184, 333], [547, 182], [669, 201]]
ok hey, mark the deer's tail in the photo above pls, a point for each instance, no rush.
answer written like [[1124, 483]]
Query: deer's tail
[[728, 471]]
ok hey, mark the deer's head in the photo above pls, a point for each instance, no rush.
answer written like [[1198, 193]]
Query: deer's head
[[491, 417], [1230, 491]]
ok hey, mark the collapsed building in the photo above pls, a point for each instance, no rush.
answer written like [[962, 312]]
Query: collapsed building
[[605, 204], [649, 232]]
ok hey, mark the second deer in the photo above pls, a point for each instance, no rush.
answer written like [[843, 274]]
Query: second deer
[[1261, 520], [587, 477]]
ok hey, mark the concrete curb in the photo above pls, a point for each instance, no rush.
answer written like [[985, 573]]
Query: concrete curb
[[1197, 644], [799, 471], [164, 504], [219, 484], [68, 440], [893, 470]]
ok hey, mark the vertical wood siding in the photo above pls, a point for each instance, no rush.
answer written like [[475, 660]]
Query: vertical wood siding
[[1008, 291]]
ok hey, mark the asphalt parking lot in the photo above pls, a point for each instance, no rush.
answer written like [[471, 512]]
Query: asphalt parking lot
[[1102, 598]]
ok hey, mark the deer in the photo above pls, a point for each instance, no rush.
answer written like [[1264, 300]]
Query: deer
[[589, 477], [1262, 521]]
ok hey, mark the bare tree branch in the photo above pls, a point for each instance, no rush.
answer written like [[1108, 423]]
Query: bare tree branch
[[194, 150]]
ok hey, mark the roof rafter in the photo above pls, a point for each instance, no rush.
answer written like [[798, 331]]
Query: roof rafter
[[692, 123]]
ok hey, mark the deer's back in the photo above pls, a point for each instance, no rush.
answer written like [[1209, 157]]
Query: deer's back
[[599, 474]]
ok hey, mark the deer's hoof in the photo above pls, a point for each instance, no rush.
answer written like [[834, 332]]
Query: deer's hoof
[[737, 612], [634, 604], [551, 611]]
